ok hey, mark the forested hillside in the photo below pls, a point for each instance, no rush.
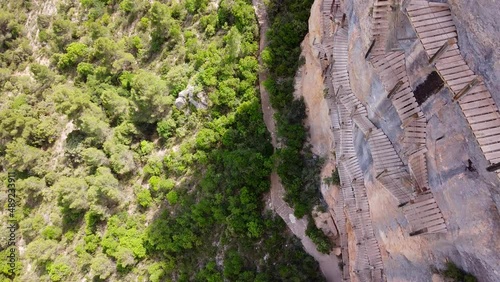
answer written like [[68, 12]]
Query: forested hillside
[[135, 134]]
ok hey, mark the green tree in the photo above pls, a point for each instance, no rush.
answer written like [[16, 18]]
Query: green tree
[[177, 78], [94, 125], [123, 240], [42, 74], [233, 43], [122, 160], [233, 265], [72, 194], [45, 132], [30, 190], [102, 267], [104, 50], [94, 157], [103, 188], [166, 128], [172, 197], [323, 243], [151, 98], [127, 6], [23, 157], [31, 226], [117, 107], [206, 139], [144, 198], [159, 269], [42, 251], [59, 270], [52, 232], [84, 70], [70, 100], [75, 53], [146, 147]]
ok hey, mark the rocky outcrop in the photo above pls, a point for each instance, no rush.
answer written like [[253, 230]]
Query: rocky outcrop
[[198, 100]]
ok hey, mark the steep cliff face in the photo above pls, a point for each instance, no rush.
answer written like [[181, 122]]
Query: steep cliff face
[[477, 23], [468, 198], [309, 85]]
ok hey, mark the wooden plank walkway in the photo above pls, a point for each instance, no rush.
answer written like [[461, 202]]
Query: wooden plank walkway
[[346, 113], [363, 123], [342, 131], [340, 221], [350, 113], [389, 168], [424, 215], [418, 167], [435, 28], [327, 17], [340, 76], [391, 67], [380, 26], [392, 70]]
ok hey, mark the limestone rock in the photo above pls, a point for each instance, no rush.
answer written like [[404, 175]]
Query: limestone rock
[[437, 278], [198, 100], [180, 102]]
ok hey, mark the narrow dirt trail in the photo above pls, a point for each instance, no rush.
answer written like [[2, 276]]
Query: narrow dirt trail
[[268, 111], [328, 263]]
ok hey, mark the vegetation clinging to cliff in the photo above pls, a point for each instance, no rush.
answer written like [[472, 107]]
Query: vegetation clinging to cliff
[[298, 168]]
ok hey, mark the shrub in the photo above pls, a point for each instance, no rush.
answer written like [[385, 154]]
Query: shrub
[[75, 53], [458, 274], [123, 240], [102, 267], [58, 271], [323, 243], [52, 232], [166, 128], [144, 198], [334, 179], [172, 197]]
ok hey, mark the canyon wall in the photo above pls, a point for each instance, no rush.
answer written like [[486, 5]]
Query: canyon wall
[[466, 193]]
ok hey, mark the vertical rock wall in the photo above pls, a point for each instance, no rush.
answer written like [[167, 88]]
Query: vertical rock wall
[[468, 199]]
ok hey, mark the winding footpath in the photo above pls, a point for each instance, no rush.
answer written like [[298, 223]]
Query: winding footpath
[[328, 263]]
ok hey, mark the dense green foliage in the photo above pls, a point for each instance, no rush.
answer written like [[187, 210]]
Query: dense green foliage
[[323, 243], [298, 168], [459, 275], [114, 182]]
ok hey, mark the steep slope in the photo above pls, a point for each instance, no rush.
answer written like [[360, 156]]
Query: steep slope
[[465, 194]]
